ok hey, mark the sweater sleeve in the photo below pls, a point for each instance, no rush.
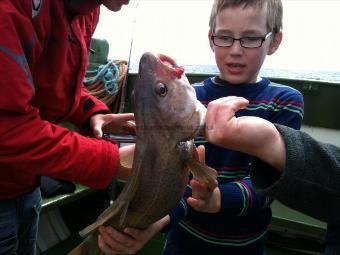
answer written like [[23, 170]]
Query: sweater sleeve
[[239, 197], [310, 181]]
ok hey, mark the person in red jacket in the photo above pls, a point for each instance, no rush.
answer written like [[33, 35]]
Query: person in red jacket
[[43, 58]]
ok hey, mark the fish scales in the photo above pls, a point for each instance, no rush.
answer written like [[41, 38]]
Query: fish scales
[[168, 116]]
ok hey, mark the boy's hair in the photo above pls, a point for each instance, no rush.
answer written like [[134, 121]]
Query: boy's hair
[[274, 11]]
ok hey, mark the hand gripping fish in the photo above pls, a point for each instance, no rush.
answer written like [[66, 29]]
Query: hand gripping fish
[[168, 116]]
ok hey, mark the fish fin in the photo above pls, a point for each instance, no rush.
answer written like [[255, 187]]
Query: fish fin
[[130, 191], [119, 206], [201, 171], [110, 212], [204, 174], [123, 214]]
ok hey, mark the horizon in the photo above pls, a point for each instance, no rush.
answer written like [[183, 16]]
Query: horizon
[[310, 41]]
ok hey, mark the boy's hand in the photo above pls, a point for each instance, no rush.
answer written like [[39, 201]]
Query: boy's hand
[[247, 134], [122, 123], [203, 198], [112, 242], [221, 126]]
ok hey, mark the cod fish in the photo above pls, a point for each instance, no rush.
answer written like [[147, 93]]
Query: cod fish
[[168, 116]]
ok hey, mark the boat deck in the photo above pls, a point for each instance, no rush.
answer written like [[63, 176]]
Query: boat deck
[[62, 217]]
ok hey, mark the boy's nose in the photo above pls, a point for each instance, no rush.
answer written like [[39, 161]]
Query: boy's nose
[[236, 47]]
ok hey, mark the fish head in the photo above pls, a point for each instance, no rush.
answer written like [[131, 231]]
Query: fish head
[[165, 102]]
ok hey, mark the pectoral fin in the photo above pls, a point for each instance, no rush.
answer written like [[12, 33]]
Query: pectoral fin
[[201, 171], [123, 215]]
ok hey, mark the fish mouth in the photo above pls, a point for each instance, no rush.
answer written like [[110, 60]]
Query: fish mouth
[[167, 60], [171, 65], [161, 65]]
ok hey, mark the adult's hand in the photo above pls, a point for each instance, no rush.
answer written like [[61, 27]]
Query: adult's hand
[[122, 123], [126, 154], [221, 125]]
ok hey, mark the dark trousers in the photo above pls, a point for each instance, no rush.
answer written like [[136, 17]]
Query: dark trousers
[[332, 240], [19, 224]]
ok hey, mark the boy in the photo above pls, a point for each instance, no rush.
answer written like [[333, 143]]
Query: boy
[[241, 34]]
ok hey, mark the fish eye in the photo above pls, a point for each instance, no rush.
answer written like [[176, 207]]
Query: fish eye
[[161, 89]]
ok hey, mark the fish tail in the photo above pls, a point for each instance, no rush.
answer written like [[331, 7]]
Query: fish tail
[[88, 247]]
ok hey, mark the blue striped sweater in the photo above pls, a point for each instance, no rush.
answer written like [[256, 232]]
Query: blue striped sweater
[[240, 227]]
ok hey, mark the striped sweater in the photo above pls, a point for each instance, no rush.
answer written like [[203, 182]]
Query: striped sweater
[[240, 226]]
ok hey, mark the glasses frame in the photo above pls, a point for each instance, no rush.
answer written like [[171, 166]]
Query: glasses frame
[[263, 38]]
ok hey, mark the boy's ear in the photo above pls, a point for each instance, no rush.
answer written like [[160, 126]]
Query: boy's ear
[[275, 43], [210, 41]]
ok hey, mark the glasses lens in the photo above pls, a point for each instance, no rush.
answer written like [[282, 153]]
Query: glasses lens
[[251, 42], [223, 41]]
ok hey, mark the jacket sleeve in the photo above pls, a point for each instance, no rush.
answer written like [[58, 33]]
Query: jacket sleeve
[[88, 106], [28, 143], [240, 197], [310, 182]]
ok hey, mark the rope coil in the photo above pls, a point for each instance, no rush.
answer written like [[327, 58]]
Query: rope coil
[[107, 83]]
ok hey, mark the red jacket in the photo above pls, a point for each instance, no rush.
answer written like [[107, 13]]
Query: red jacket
[[43, 58]]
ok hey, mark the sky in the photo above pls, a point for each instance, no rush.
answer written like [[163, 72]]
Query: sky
[[179, 28]]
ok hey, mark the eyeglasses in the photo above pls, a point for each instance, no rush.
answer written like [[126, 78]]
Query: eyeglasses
[[246, 42]]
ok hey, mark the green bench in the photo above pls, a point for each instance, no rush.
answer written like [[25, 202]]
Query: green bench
[[55, 202]]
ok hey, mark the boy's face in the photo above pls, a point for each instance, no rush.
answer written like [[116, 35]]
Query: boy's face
[[237, 64]]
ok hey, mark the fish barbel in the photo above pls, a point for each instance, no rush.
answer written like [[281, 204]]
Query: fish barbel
[[168, 116]]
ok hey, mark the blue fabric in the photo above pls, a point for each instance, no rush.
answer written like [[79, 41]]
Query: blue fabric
[[50, 187], [332, 249], [240, 226], [19, 224], [179, 242], [332, 240]]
